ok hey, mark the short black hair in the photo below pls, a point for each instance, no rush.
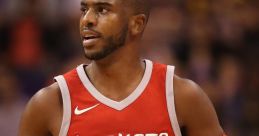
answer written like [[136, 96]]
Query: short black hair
[[139, 6]]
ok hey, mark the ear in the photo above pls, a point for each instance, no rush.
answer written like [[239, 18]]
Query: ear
[[137, 24]]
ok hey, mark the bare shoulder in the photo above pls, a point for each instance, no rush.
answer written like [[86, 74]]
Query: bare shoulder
[[43, 113], [194, 109], [188, 92]]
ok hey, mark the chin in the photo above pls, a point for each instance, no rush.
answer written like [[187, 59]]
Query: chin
[[95, 55]]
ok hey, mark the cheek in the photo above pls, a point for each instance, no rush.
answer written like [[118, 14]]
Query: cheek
[[81, 21], [80, 25], [111, 25]]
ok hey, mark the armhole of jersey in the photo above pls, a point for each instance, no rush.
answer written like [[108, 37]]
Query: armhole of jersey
[[170, 100], [66, 105]]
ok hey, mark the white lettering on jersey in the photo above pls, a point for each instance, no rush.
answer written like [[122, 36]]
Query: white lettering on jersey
[[150, 134]]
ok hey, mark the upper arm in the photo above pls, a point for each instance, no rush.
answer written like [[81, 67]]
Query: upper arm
[[194, 110], [38, 115]]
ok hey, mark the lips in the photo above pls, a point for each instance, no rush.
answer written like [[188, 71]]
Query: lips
[[90, 37], [88, 34]]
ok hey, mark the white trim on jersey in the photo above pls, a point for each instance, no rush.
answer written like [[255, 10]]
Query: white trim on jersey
[[109, 102], [66, 105], [170, 100]]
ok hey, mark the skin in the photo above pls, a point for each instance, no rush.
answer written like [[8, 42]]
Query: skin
[[120, 32]]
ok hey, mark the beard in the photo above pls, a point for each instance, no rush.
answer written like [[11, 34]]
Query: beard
[[112, 43]]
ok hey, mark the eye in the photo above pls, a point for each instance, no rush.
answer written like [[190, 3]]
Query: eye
[[83, 9], [102, 10]]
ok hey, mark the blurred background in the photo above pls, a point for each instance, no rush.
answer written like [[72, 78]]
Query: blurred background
[[213, 42]]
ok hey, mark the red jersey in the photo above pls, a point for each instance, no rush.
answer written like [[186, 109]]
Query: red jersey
[[148, 111]]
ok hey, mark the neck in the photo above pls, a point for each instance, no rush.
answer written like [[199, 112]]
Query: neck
[[118, 74], [118, 70], [124, 60]]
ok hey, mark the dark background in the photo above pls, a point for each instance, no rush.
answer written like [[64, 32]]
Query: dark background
[[213, 42]]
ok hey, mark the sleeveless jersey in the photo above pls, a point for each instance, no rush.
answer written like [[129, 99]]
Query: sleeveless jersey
[[148, 111]]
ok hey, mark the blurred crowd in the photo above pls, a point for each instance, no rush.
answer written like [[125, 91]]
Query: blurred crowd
[[214, 43]]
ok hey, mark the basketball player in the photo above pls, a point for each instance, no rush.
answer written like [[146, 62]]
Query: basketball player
[[118, 94]]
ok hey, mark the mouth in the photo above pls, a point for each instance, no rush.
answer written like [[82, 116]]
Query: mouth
[[90, 34], [90, 37], [90, 41]]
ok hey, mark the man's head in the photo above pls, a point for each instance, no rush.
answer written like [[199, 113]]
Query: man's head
[[138, 6], [107, 25]]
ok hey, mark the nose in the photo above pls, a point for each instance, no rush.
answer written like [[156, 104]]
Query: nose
[[89, 19]]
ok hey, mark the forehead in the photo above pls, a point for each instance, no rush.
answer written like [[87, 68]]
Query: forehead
[[90, 2]]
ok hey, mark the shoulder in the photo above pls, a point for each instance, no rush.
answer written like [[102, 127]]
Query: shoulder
[[187, 94], [194, 109], [187, 89], [40, 111], [48, 98]]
